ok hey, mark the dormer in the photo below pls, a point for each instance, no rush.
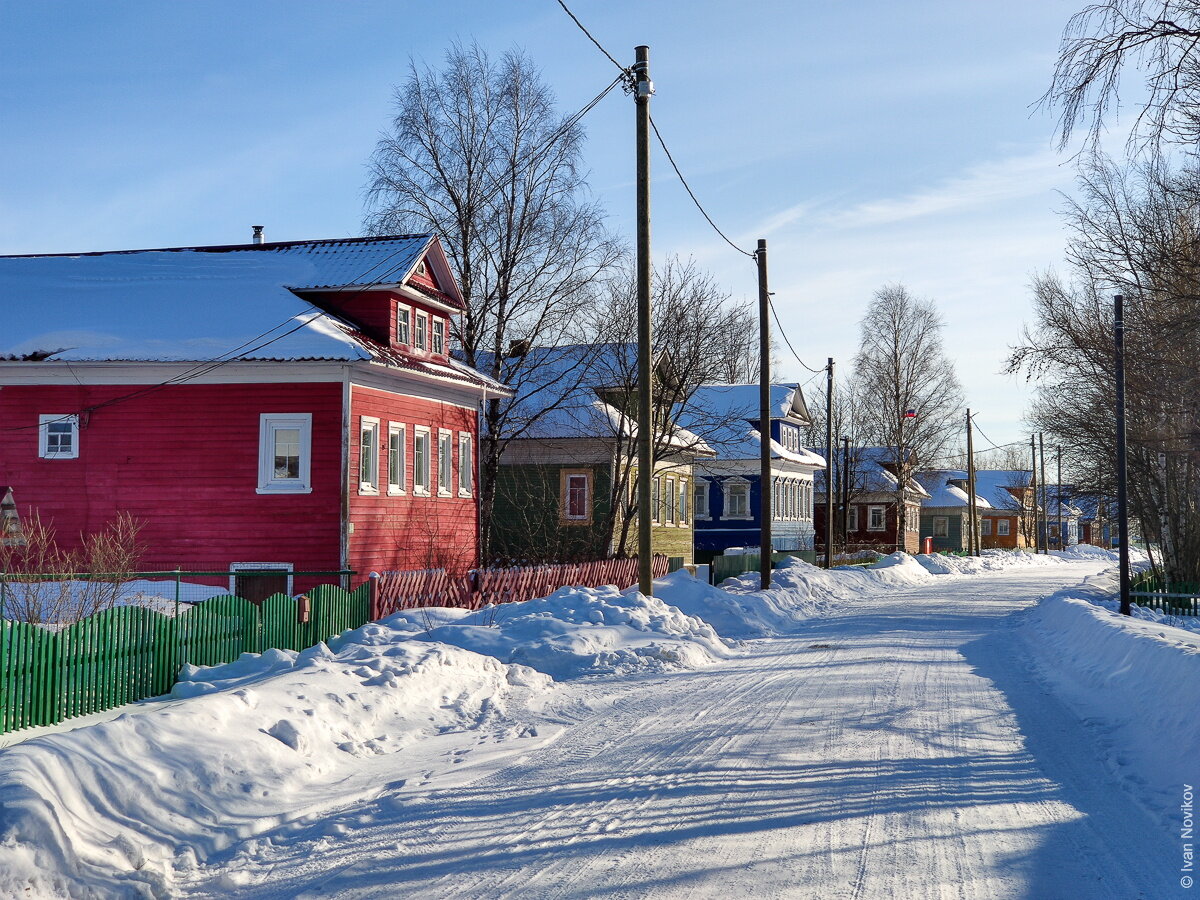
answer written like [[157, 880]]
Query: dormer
[[409, 305]]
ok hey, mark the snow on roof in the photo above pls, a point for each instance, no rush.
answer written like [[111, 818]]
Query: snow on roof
[[726, 416], [192, 304], [872, 475], [993, 485], [943, 492]]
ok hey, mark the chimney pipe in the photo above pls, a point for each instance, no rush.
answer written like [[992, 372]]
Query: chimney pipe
[[258, 234]]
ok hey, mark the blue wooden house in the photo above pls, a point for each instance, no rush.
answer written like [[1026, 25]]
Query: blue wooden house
[[727, 487]]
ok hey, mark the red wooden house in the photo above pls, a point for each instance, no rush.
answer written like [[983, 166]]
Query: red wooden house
[[286, 406]]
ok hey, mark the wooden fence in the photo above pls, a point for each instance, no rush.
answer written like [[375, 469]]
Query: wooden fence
[[395, 591], [128, 653], [1174, 598]]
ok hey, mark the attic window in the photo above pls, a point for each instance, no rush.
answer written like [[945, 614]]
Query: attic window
[[421, 269]]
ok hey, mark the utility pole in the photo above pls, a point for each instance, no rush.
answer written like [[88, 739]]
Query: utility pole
[[1037, 508], [1062, 535], [973, 515], [845, 493], [643, 89], [764, 415], [1045, 493], [829, 464], [1122, 479]]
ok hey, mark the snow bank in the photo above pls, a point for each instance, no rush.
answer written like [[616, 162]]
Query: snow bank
[[575, 632], [115, 809], [1136, 678]]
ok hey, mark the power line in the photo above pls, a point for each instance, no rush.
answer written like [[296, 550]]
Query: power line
[[783, 334], [627, 75], [692, 194]]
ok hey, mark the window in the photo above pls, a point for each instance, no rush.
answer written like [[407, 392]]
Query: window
[[985, 527], [941, 526], [284, 452], [396, 459], [656, 500], [421, 269], [421, 461], [575, 496], [912, 521], [1002, 526], [368, 456], [439, 335], [852, 519], [58, 437], [422, 341], [445, 462], [876, 518], [737, 499], [403, 325], [669, 496], [466, 465], [683, 502], [700, 498]]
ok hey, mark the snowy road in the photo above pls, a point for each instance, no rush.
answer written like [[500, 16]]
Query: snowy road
[[897, 748]]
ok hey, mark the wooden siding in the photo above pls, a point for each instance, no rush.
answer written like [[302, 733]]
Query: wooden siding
[[183, 461], [408, 531]]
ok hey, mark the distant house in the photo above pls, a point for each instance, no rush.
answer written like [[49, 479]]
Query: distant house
[[566, 480], [871, 520], [945, 513], [274, 407], [728, 485], [1096, 518], [1062, 518], [1008, 522]]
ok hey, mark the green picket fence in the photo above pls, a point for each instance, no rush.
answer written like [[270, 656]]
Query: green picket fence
[[129, 653], [1175, 598]]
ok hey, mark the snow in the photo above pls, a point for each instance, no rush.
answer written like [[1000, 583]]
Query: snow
[[878, 731], [58, 602], [942, 493]]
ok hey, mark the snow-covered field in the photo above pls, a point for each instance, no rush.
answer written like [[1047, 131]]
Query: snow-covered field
[[918, 729]]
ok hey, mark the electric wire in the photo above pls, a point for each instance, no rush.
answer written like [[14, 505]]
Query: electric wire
[[625, 72]]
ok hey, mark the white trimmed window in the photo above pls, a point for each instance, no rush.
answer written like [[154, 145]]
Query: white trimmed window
[[700, 498], [876, 518], [669, 496], [439, 336], [396, 460], [656, 500], [284, 453], [1002, 526], [683, 501], [737, 498], [445, 462], [852, 519], [368, 455], [985, 527], [422, 332], [58, 437], [403, 325], [421, 460], [575, 501], [941, 526], [466, 465]]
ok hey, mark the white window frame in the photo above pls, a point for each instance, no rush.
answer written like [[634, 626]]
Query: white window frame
[[421, 331], [397, 453], [882, 518], [368, 455], [421, 434], [670, 501], [1003, 528], [403, 324], [726, 489], [466, 464], [268, 424], [985, 526], [445, 461], [852, 518], [260, 567], [44, 422], [565, 500], [942, 523], [700, 488], [685, 488], [439, 336]]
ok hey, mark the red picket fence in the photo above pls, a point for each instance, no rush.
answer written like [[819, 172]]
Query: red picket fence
[[394, 591]]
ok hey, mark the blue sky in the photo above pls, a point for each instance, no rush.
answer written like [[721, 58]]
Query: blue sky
[[869, 143]]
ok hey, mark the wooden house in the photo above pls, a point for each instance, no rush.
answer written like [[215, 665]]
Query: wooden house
[[871, 519], [269, 406], [945, 513]]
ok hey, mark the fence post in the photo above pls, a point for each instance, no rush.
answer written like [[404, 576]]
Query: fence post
[[373, 581]]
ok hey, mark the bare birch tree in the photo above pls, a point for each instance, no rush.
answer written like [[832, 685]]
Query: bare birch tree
[[478, 154], [909, 396], [1160, 40]]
